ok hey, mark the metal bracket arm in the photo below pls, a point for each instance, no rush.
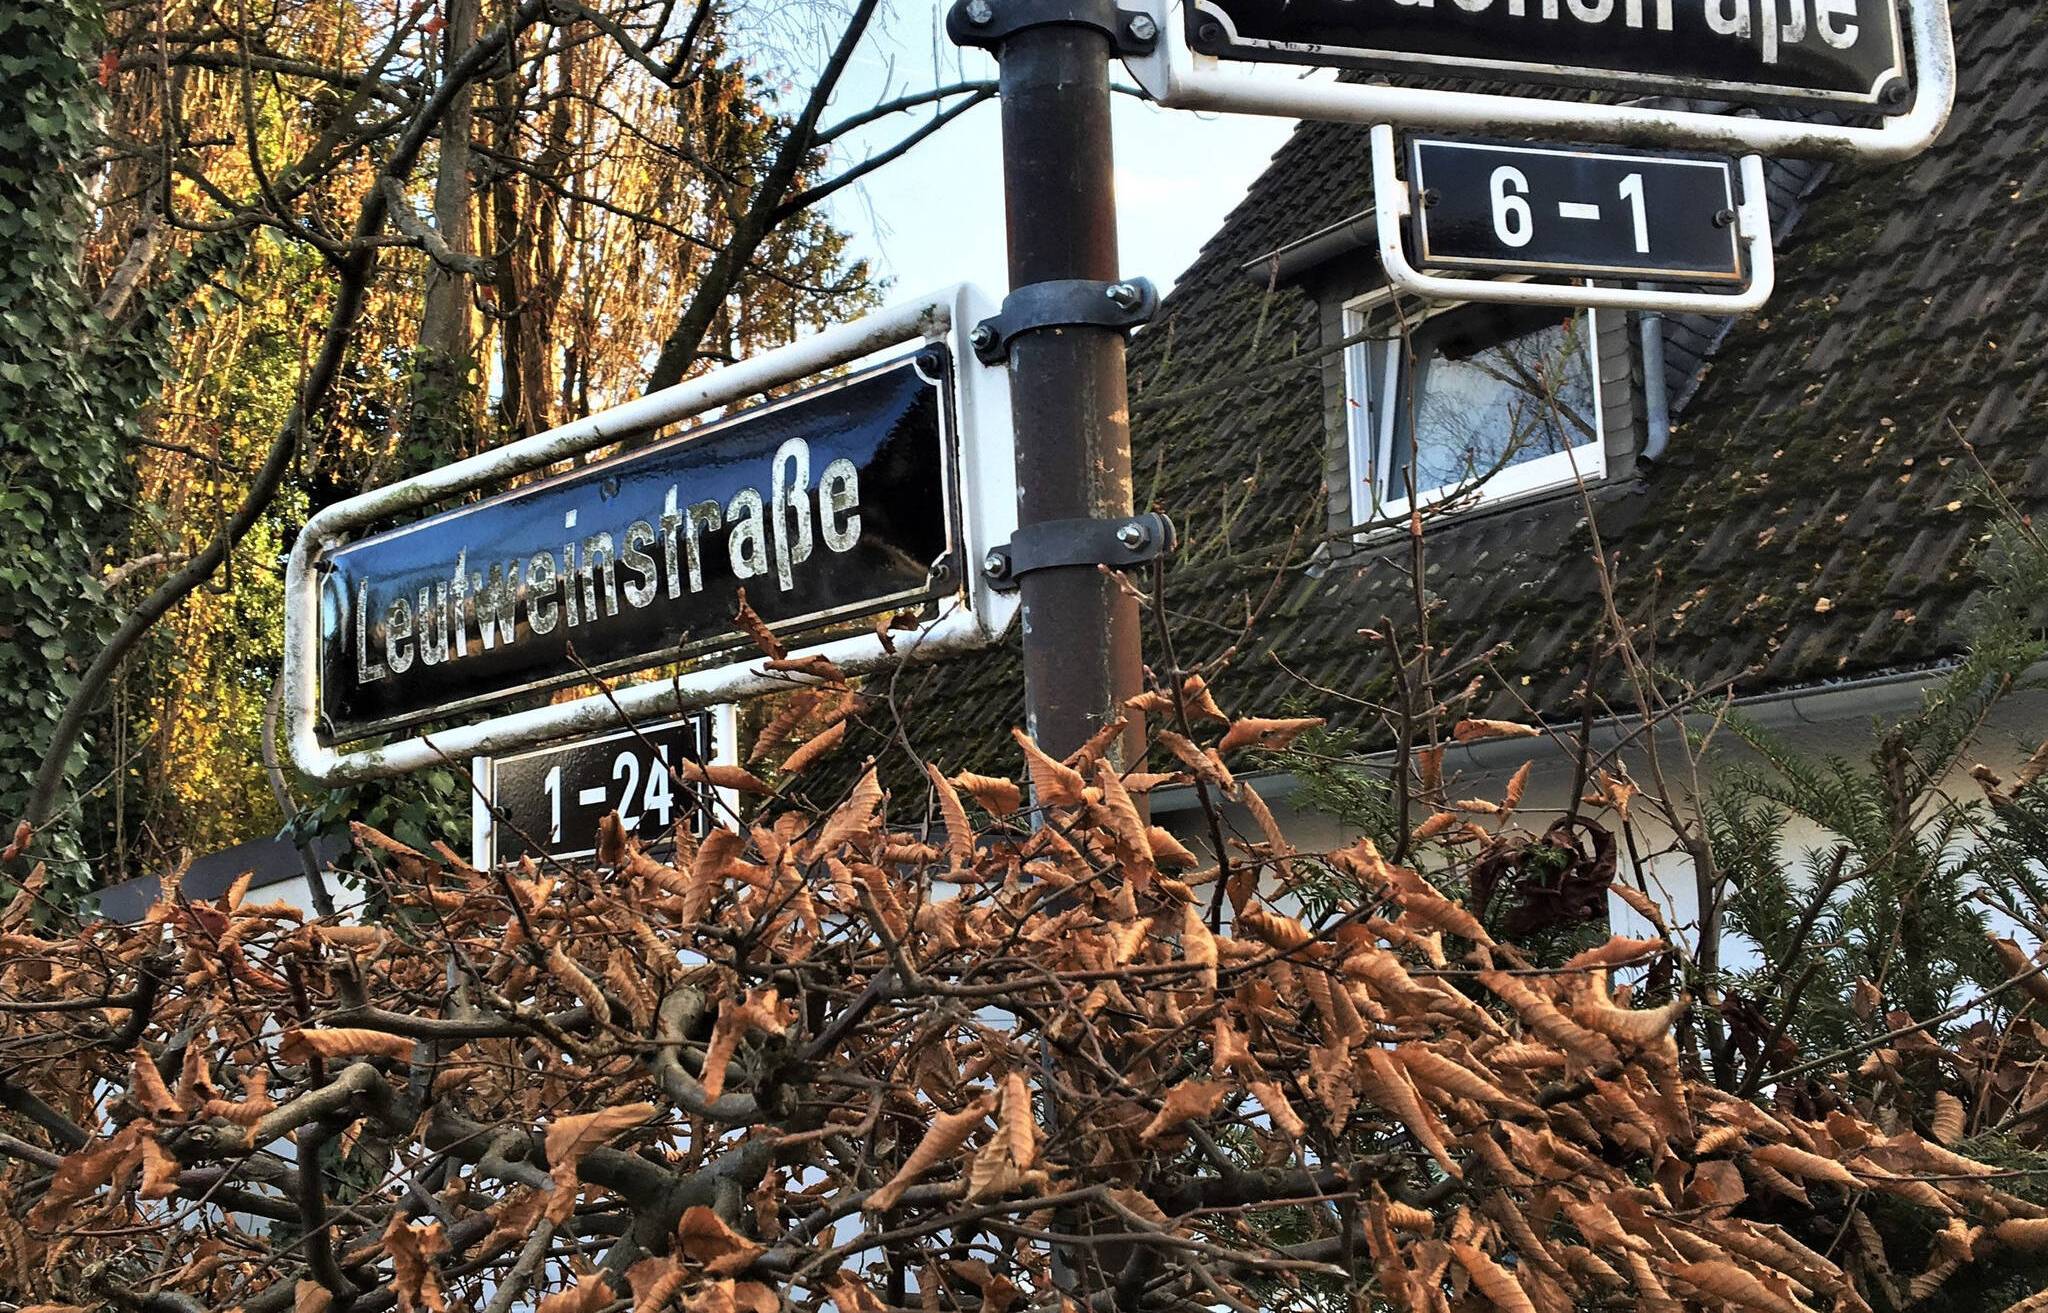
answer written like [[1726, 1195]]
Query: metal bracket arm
[[1063, 303], [1119, 543], [1752, 220], [988, 23]]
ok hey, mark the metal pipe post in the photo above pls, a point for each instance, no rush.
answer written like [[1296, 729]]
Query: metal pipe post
[[1067, 384]]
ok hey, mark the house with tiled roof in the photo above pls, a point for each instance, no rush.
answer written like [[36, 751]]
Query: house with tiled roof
[[1788, 507]]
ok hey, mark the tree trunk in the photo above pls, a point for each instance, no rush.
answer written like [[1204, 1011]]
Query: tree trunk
[[441, 402]]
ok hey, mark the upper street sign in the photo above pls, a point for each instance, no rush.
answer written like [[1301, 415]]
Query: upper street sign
[[1844, 52], [834, 503], [1486, 208]]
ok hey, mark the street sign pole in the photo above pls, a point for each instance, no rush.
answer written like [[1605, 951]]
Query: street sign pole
[[1067, 383]]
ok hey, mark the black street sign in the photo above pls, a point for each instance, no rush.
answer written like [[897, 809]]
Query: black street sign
[[1487, 208], [1845, 52], [548, 802], [831, 504]]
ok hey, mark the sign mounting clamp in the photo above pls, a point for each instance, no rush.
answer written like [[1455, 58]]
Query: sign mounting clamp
[[1063, 303]]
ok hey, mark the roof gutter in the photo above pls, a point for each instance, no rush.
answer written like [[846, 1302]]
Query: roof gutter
[[1286, 263], [1811, 704]]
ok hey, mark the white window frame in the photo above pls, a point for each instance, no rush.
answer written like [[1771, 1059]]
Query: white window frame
[[1369, 423]]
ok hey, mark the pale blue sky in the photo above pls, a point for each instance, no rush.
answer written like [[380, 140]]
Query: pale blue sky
[[936, 216]]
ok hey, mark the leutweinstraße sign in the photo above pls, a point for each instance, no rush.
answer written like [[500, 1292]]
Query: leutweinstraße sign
[[832, 504], [1847, 52]]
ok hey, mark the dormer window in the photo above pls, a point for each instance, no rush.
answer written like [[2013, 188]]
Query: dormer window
[[1478, 402]]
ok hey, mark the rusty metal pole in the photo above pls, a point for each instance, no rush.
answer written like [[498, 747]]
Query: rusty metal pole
[[1067, 384]]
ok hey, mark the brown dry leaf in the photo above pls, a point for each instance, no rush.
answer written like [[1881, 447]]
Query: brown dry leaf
[[1183, 1103], [1543, 1017], [736, 778], [1651, 1294], [1097, 747], [1272, 735], [1004, 1165], [704, 1238], [1798, 1164], [80, 1174], [655, 1283], [312, 1297], [588, 1295], [1642, 905], [1636, 1027], [753, 626], [256, 1104], [1228, 1049], [159, 1170], [355, 938], [1133, 843], [1397, 1283], [796, 707], [146, 1086], [1168, 851], [1735, 1285], [1431, 1067], [1472, 731], [959, 831], [760, 1010], [997, 797], [1404, 1217], [1948, 1117], [343, 1042], [570, 1138], [1434, 825], [1194, 690], [949, 1130], [854, 818], [2018, 964], [1492, 1280], [2029, 1233], [1424, 902], [1616, 951], [851, 1293], [1389, 1087], [754, 1297], [1207, 766], [1277, 1105], [815, 749], [1198, 945], [1053, 783], [718, 856], [18, 844], [1519, 781], [412, 1250]]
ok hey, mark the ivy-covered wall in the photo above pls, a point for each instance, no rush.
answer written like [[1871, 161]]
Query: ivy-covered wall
[[62, 419]]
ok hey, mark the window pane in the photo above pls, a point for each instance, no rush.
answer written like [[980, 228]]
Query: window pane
[[1492, 394]]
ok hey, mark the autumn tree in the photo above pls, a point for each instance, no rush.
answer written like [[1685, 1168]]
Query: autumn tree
[[321, 246], [941, 1048]]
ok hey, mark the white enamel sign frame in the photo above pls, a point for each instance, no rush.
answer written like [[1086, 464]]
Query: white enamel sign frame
[[1178, 78], [973, 617], [1391, 206]]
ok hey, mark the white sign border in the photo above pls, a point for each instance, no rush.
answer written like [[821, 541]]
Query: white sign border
[[986, 482], [1391, 205], [1176, 77], [1569, 75]]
